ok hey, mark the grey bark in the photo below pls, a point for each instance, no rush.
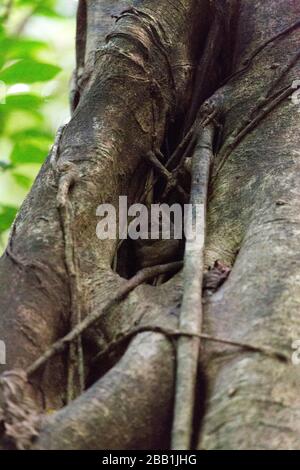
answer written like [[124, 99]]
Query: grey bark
[[253, 401], [129, 89]]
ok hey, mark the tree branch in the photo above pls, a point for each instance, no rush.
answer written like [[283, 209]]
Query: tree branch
[[191, 308]]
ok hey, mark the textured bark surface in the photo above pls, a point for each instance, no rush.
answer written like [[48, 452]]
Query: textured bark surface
[[254, 400], [139, 84]]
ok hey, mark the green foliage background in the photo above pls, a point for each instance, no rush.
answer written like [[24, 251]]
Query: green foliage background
[[36, 62]]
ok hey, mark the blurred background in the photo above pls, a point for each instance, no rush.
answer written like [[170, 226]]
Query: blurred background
[[37, 57]]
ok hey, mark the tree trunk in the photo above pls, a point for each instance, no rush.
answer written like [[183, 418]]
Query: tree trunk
[[139, 86]]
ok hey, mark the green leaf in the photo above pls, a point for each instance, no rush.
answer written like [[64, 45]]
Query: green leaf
[[28, 71], [20, 48], [7, 216], [44, 10], [16, 105], [33, 133], [27, 153], [22, 180], [23, 101], [26, 3], [14, 120], [41, 7], [35, 3]]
